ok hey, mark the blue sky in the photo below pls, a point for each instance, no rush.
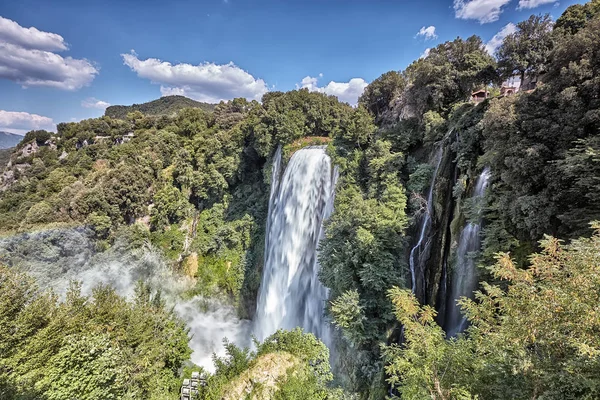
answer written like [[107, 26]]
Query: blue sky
[[66, 60]]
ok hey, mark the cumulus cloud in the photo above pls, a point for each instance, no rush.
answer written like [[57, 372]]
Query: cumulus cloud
[[30, 38], [496, 41], [428, 33], [526, 4], [348, 92], [27, 57], [484, 11], [21, 122], [92, 102], [206, 82], [425, 53]]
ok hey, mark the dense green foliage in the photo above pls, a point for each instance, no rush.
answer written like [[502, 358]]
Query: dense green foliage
[[166, 105], [361, 255], [87, 347], [541, 147], [535, 339], [303, 375], [194, 181], [525, 52]]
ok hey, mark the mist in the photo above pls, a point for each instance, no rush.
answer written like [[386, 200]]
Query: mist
[[56, 257]]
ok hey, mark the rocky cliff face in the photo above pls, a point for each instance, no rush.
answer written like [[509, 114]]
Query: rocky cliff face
[[453, 183], [442, 239]]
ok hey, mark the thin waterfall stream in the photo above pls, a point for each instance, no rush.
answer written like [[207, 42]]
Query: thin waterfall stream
[[420, 252], [464, 274]]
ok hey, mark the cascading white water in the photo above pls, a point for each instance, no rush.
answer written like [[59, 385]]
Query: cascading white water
[[420, 251], [464, 275], [291, 294]]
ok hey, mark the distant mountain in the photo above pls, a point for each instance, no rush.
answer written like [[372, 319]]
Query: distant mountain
[[8, 140], [164, 106]]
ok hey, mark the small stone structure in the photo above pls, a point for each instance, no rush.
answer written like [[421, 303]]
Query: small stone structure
[[189, 388], [508, 90], [479, 96]]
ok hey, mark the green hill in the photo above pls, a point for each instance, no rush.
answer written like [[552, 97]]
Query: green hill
[[166, 105]]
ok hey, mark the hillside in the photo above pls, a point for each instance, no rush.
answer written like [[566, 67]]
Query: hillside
[[166, 105], [8, 140], [4, 157]]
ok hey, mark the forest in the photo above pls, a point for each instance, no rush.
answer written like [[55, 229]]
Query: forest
[[192, 181]]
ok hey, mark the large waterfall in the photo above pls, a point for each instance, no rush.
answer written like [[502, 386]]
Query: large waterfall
[[291, 294], [420, 252], [464, 275]]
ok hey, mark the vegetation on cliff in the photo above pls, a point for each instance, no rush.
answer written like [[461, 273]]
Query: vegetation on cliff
[[541, 146], [533, 336]]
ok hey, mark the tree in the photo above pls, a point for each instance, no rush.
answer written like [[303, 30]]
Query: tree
[[297, 365], [449, 74], [40, 136], [526, 51], [170, 207], [382, 91], [534, 336], [426, 365], [101, 346], [576, 17], [533, 145]]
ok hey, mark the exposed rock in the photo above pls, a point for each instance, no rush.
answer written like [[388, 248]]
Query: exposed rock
[[190, 265], [22, 167], [50, 143], [63, 155], [260, 381], [7, 179], [145, 221], [29, 149]]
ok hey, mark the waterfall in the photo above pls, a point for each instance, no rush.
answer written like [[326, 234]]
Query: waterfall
[[464, 275], [291, 294], [420, 252]]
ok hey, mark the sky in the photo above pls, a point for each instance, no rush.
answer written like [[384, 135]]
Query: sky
[[68, 60]]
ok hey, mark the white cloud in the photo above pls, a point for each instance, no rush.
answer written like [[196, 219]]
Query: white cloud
[[26, 58], [92, 102], [206, 82], [348, 92], [30, 38], [428, 33], [43, 68], [496, 41], [425, 53], [21, 122], [483, 11], [526, 4]]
